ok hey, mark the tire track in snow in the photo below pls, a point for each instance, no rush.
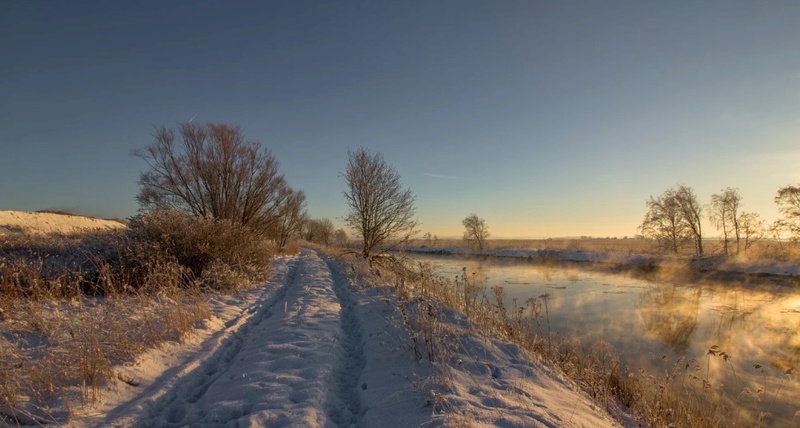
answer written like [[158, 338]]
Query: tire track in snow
[[215, 367], [344, 407], [312, 353], [279, 370], [191, 388]]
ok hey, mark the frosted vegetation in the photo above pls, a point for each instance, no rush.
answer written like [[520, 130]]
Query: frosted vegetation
[[224, 302]]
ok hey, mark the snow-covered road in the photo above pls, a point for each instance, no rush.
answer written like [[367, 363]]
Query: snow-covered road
[[315, 347], [298, 360]]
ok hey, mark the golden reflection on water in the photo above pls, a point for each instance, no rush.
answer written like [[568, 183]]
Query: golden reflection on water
[[755, 324], [755, 335], [670, 315]]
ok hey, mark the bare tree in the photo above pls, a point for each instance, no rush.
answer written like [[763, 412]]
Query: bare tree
[[429, 239], [308, 229], [752, 228], [290, 217], [691, 211], [674, 218], [379, 207], [788, 200], [210, 171], [319, 231], [476, 231], [724, 215], [340, 237], [664, 221]]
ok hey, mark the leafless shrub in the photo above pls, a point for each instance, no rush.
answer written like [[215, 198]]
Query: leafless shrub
[[198, 244]]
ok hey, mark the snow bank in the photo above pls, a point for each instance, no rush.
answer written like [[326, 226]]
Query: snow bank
[[497, 383], [24, 222]]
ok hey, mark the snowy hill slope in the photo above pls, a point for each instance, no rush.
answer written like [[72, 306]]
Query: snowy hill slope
[[24, 222]]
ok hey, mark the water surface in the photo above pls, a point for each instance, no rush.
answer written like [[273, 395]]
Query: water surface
[[652, 323]]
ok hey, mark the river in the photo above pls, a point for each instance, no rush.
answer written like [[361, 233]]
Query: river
[[652, 323]]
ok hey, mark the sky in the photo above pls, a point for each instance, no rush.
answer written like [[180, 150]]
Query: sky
[[547, 119]]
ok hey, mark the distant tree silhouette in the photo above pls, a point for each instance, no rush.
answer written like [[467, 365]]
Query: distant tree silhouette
[[788, 200], [673, 218], [752, 228], [724, 215], [664, 221], [290, 217], [340, 237], [692, 214], [476, 231], [319, 231]]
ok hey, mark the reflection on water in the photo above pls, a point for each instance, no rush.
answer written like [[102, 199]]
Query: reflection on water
[[756, 325], [670, 314]]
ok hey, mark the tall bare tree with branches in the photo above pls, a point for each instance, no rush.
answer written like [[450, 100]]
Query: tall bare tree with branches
[[788, 200], [290, 217], [380, 209], [692, 214], [210, 171], [724, 215], [664, 221], [674, 218], [752, 228]]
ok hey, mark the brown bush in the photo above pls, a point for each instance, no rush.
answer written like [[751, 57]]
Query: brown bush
[[204, 249], [162, 250]]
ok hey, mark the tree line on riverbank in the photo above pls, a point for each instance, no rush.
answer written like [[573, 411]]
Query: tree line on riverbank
[[674, 220]]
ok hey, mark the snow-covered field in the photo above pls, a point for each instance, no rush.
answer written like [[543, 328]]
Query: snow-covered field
[[317, 347], [24, 222]]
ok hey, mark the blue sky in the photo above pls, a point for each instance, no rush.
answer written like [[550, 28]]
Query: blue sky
[[545, 118]]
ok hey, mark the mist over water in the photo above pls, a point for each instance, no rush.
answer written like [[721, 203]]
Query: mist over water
[[653, 323]]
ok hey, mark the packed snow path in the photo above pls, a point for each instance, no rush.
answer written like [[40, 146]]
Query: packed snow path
[[297, 361], [307, 349]]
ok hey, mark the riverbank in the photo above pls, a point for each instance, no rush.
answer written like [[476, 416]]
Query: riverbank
[[718, 344], [710, 267]]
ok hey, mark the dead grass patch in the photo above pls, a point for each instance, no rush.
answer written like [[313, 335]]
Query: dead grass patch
[[72, 307], [57, 354]]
